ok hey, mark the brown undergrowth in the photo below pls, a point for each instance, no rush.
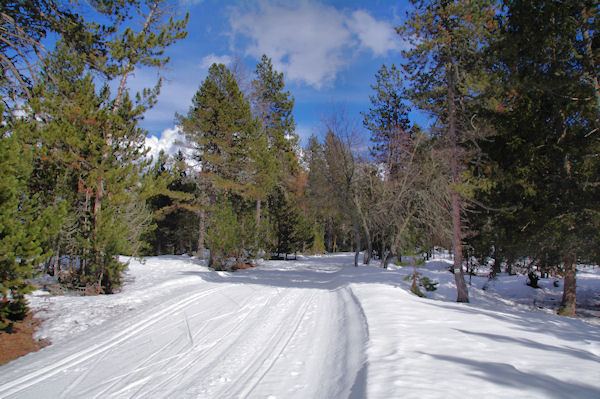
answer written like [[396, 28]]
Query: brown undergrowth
[[20, 340], [244, 266]]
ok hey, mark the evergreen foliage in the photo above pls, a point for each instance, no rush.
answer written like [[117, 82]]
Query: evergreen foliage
[[24, 225], [173, 203], [24, 26], [225, 237], [274, 108], [292, 231], [84, 145], [225, 139], [544, 155], [387, 120], [96, 156]]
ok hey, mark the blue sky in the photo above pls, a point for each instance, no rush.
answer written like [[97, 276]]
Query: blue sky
[[329, 52]]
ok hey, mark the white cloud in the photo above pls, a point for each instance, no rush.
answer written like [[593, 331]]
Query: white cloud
[[309, 42], [167, 142], [377, 36], [305, 41], [215, 59]]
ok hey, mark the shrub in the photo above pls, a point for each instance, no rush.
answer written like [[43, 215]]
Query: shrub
[[418, 281]]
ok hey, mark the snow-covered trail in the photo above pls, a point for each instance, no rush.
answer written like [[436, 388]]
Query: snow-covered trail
[[312, 328], [246, 334]]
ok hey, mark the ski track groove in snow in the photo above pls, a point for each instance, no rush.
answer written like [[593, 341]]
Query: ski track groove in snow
[[215, 348], [140, 367], [83, 375], [269, 355]]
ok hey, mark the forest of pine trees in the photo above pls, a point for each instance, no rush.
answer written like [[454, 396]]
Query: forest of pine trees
[[507, 172]]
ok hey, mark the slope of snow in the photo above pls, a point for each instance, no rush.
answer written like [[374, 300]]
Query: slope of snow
[[312, 328]]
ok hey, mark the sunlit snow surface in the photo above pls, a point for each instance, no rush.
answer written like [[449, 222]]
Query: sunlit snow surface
[[316, 327]]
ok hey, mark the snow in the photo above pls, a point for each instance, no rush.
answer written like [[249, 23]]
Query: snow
[[316, 327]]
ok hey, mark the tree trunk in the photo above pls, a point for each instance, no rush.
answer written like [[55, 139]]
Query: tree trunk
[[258, 206], [459, 278], [211, 259], [201, 232], [56, 257], [496, 266], [57, 263], [365, 226], [568, 304], [330, 235], [386, 259], [368, 253], [257, 238], [357, 242]]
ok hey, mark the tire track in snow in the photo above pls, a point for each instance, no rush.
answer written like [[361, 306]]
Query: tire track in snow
[[43, 373]]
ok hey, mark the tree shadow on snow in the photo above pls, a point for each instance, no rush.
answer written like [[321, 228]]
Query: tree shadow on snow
[[507, 375], [530, 320], [534, 344], [323, 273]]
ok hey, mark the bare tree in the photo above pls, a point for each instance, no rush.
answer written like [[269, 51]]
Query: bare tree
[[341, 140]]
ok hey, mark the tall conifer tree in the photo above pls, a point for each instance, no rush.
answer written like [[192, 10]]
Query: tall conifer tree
[[223, 135], [277, 160], [447, 37], [544, 155]]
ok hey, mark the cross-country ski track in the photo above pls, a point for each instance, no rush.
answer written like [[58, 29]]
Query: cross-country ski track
[[312, 328]]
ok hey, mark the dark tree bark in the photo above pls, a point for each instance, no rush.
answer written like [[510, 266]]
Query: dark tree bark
[[568, 304], [357, 242], [496, 266], [459, 278], [386, 259], [201, 232], [329, 235], [368, 253]]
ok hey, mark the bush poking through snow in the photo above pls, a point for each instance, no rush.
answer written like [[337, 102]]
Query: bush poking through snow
[[418, 281], [533, 279], [10, 311]]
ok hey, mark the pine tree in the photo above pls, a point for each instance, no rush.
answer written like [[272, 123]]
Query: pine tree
[[292, 230], [277, 162], [274, 108], [447, 38], [86, 147], [25, 226], [71, 120], [171, 199], [397, 149], [387, 120], [544, 155], [223, 134], [25, 24]]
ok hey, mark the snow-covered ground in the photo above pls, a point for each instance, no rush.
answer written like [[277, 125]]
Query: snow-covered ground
[[312, 328]]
